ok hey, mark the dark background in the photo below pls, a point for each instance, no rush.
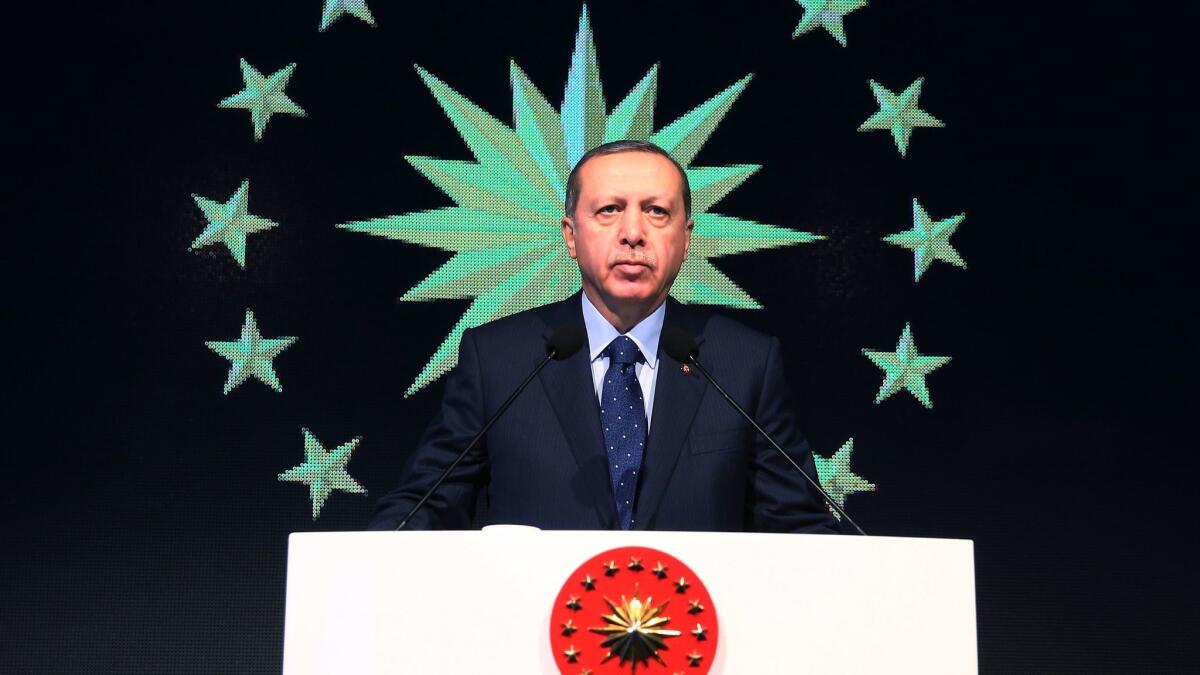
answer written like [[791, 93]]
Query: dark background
[[144, 528]]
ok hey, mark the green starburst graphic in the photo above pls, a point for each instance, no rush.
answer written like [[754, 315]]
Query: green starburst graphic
[[323, 472], [905, 368], [505, 230], [899, 114], [929, 240], [230, 223], [336, 8], [836, 477], [827, 14], [263, 96], [251, 355]]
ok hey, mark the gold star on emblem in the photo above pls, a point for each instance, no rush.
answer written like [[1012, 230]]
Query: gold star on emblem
[[660, 571], [701, 633], [694, 658], [588, 582], [568, 628], [572, 654], [696, 607], [681, 585], [635, 564], [574, 604], [610, 568]]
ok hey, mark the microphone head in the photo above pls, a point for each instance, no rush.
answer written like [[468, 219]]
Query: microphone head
[[566, 340], [678, 343]]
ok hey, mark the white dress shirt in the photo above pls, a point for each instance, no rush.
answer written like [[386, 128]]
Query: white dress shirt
[[645, 335]]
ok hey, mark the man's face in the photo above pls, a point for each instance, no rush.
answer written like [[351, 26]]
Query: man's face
[[630, 233]]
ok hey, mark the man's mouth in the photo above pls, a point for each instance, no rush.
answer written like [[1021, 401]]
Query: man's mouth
[[631, 270]]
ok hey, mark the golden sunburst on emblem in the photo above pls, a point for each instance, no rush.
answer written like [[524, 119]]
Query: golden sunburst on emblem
[[635, 631]]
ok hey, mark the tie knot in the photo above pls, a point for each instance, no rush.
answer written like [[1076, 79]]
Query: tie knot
[[623, 351]]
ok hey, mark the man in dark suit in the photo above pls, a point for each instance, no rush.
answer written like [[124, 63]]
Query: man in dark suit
[[619, 435]]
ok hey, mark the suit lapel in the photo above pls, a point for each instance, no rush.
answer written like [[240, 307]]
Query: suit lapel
[[568, 385], [676, 398]]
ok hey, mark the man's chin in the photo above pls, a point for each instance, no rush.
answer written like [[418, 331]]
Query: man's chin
[[631, 294]]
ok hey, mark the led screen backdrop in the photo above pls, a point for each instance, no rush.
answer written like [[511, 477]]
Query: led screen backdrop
[[258, 230]]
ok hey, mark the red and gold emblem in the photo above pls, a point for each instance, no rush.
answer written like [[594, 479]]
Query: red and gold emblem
[[631, 607]]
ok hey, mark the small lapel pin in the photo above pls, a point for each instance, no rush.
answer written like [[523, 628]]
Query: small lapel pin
[[687, 370]]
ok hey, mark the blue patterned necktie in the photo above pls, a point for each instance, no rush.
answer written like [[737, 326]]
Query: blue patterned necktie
[[623, 416]]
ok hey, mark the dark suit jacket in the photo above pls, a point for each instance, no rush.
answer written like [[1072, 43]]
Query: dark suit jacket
[[544, 464]]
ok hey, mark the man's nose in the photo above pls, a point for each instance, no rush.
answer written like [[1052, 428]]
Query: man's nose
[[633, 230]]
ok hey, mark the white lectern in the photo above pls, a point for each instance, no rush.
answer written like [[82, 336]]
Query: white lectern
[[480, 602]]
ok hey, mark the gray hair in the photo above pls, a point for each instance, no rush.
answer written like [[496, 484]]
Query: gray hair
[[613, 148]]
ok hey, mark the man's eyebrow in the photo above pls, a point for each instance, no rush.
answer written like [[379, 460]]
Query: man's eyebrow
[[664, 199], [607, 199], [620, 199]]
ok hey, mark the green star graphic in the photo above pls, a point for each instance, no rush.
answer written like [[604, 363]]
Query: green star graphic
[[323, 472], [230, 223], [505, 230], [263, 96], [899, 114], [827, 14], [929, 240], [836, 477], [905, 368], [335, 8], [251, 355]]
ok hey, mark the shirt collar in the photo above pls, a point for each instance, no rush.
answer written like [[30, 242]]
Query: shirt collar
[[645, 334]]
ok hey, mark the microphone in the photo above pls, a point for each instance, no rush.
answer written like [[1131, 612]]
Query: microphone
[[563, 343], [679, 345]]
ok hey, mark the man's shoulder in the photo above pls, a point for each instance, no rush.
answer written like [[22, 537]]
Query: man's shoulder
[[526, 324], [719, 329], [723, 324]]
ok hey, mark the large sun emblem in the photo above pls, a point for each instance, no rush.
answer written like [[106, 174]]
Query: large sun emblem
[[505, 228], [592, 634], [635, 631]]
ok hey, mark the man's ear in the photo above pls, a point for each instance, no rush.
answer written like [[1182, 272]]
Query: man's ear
[[568, 235], [687, 240]]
